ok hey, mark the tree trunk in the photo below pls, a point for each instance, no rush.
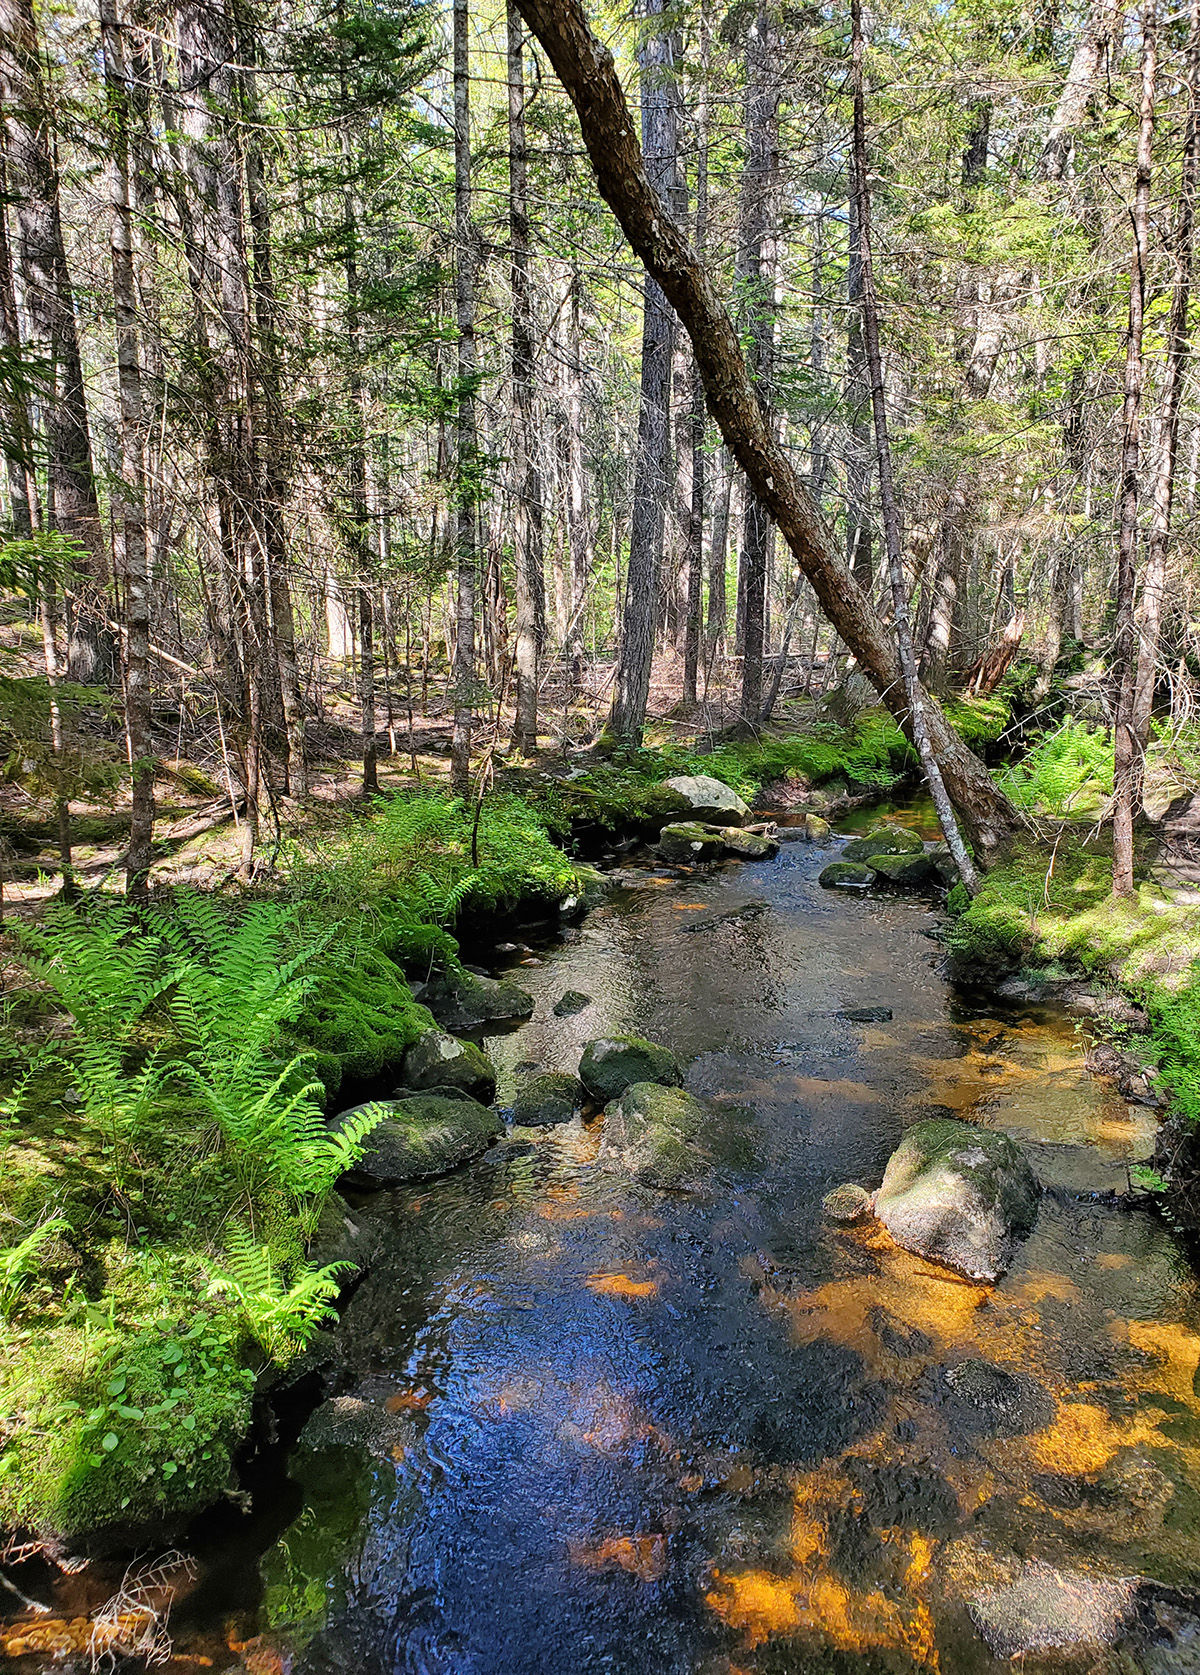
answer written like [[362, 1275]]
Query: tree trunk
[[18, 436], [917, 699], [466, 434], [130, 491], [858, 401], [587, 72], [639, 618], [1058, 152], [50, 310], [528, 557], [1178, 341], [757, 257], [1126, 759]]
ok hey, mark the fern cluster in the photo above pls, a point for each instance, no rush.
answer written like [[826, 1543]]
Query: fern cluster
[[1066, 770]]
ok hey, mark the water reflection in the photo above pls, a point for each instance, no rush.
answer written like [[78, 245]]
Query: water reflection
[[595, 1428]]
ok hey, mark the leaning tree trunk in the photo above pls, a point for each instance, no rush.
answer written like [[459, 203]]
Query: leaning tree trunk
[[639, 617], [589, 76], [130, 490], [1126, 760], [526, 478], [1178, 341], [466, 432]]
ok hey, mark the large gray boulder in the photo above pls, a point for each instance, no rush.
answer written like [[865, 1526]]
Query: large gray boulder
[[751, 846], [419, 1137], [884, 840], [439, 1060], [959, 1194], [464, 1000], [710, 799], [612, 1063]]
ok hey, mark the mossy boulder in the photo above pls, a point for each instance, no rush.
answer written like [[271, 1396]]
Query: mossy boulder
[[421, 1136], [658, 1135], [439, 1060], [552, 1097], [612, 1063], [709, 799], [751, 846], [906, 871], [687, 841], [884, 840], [846, 875], [959, 1194], [464, 1000]]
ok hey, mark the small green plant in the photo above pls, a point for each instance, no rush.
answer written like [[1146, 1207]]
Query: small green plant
[[282, 1311], [1149, 1180], [20, 1263]]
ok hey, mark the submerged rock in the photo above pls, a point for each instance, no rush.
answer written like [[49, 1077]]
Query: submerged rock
[[710, 799], [552, 1097], [1046, 1609], [570, 1002], [657, 1134], [689, 841], [751, 846], [848, 1203], [866, 1014], [904, 870], [438, 1060], [463, 1000], [846, 875], [884, 840], [421, 1136], [959, 1194], [612, 1063], [982, 1400]]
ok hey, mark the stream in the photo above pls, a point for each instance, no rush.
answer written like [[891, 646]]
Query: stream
[[596, 1429]]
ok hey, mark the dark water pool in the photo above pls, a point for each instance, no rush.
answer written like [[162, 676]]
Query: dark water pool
[[595, 1428]]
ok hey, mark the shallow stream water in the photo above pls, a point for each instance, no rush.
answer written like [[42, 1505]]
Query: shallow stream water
[[599, 1430]]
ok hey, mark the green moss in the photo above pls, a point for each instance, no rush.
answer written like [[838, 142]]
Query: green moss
[[125, 1409], [1054, 906]]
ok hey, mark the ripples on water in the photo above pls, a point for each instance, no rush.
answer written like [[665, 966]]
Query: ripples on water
[[596, 1428]]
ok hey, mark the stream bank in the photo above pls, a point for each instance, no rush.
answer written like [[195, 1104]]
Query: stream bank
[[704, 1432]]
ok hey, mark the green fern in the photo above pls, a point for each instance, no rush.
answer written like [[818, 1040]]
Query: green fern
[[19, 1263], [282, 1311], [1066, 767]]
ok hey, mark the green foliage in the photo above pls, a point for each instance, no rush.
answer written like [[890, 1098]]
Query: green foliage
[[20, 1263], [1068, 769], [281, 1311], [979, 722], [128, 1410], [1175, 1017], [412, 858]]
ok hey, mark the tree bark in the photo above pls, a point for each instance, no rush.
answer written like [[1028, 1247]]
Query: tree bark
[[639, 618], [50, 310], [1178, 345], [466, 432], [1058, 152], [1126, 761], [587, 72], [917, 699], [528, 555], [130, 492], [757, 258]]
